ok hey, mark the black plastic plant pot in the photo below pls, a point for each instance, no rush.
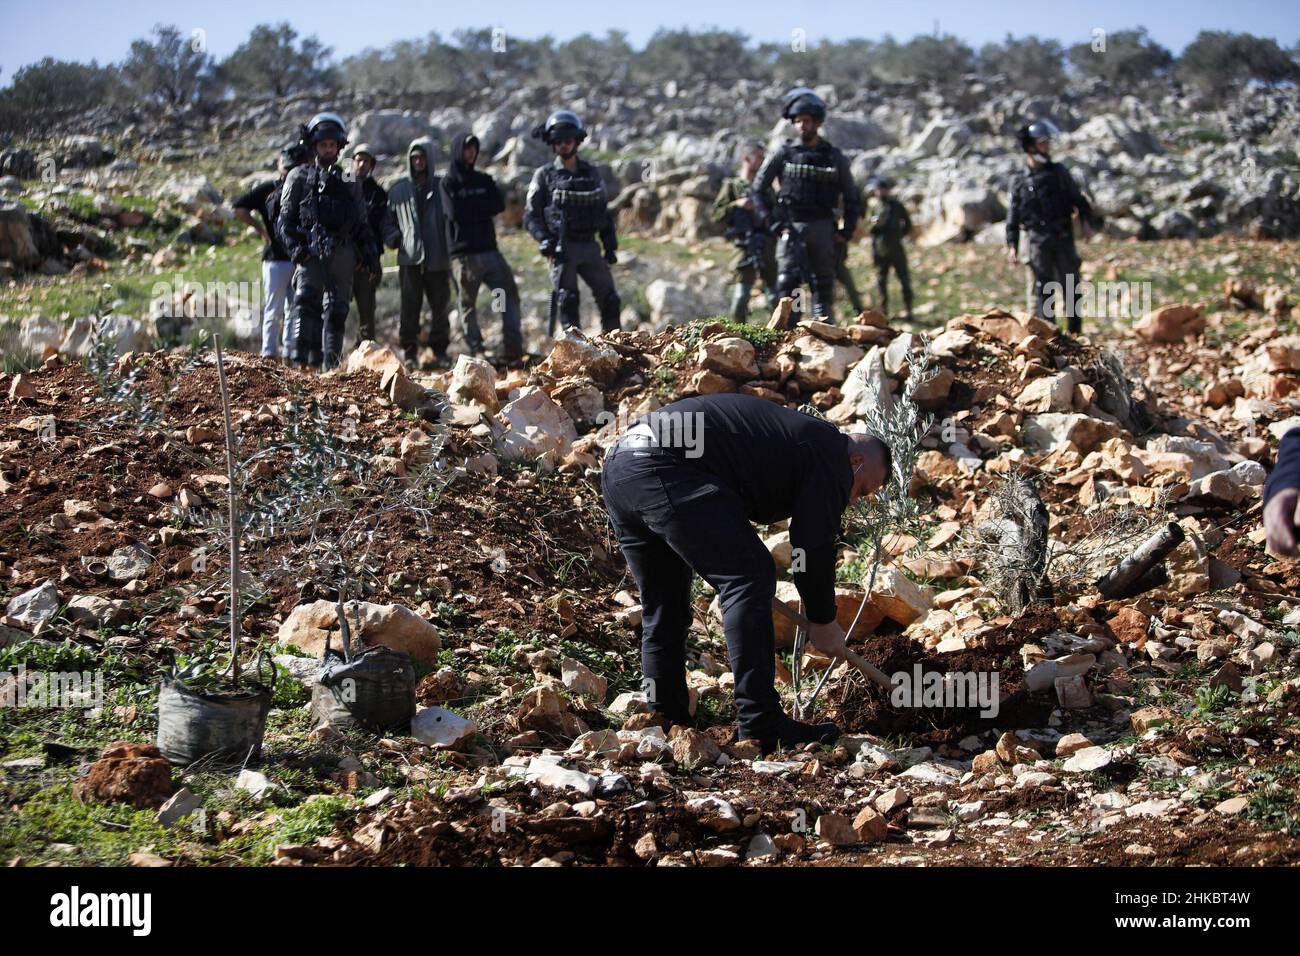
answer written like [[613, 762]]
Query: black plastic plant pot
[[215, 727], [373, 691]]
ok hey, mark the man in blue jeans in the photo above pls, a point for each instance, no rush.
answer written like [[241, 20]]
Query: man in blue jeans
[[682, 487], [277, 268]]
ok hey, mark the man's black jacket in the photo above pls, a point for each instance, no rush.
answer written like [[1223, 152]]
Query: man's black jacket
[[781, 464], [469, 199], [1286, 474], [1043, 201]]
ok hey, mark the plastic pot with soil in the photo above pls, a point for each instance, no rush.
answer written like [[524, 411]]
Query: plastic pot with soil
[[371, 689], [206, 719]]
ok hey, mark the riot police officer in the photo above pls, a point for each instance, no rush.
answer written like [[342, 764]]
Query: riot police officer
[[756, 246], [889, 227], [566, 209], [324, 227], [814, 178], [1044, 198]]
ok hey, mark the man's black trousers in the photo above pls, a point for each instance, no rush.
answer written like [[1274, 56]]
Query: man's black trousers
[[673, 519]]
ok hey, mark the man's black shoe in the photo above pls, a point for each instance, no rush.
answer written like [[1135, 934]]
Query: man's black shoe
[[790, 734]]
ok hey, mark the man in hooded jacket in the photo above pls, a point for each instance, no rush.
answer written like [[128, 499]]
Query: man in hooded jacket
[[469, 201], [414, 225]]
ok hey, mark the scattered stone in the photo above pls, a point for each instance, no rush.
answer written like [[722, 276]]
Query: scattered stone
[[1232, 806], [441, 728], [309, 625], [548, 773], [581, 680], [714, 813], [892, 799], [1088, 759], [694, 748], [761, 848], [837, 829], [35, 606], [1148, 717], [1071, 744], [870, 826], [183, 803]]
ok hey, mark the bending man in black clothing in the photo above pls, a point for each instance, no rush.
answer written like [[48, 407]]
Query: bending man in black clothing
[[1282, 499], [682, 487]]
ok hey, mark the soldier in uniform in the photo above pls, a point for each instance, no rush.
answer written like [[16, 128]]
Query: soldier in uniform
[[565, 211], [815, 179], [1044, 198], [365, 283], [889, 226], [756, 246], [324, 228]]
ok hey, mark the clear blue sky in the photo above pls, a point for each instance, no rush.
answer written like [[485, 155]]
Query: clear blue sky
[[103, 29]]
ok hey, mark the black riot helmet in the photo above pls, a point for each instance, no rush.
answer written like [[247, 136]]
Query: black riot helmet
[[880, 182], [326, 126], [802, 100], [1028, 136], [562, 124]]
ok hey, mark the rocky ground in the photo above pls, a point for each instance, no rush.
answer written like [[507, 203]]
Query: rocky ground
[[1157, 728]]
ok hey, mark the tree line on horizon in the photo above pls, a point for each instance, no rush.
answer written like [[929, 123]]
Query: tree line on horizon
[[172, 69]]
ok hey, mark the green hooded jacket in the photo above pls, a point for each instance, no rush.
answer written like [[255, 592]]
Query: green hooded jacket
[[414, 224]]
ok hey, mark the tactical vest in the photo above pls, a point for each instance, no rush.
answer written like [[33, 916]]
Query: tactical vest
[[578, 207], [335, 205], [810, 182], [1045, 204]]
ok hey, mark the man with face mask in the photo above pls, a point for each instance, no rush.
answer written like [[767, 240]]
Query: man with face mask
[[682, 487], [416, 227], [277, 267], [815, 179], [365, 283], [470, 199], [1044, 198], [565, 211], [324, 228]]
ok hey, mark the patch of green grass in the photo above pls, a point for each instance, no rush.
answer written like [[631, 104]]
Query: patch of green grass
[[1229, 330], [1210, 699], [1275, 807], [304, 823], [52, 825]]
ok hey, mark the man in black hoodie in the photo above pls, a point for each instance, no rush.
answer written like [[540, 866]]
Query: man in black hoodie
[[469, 201]]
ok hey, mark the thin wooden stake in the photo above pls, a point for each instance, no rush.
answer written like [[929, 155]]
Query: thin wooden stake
[[233, 498]]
